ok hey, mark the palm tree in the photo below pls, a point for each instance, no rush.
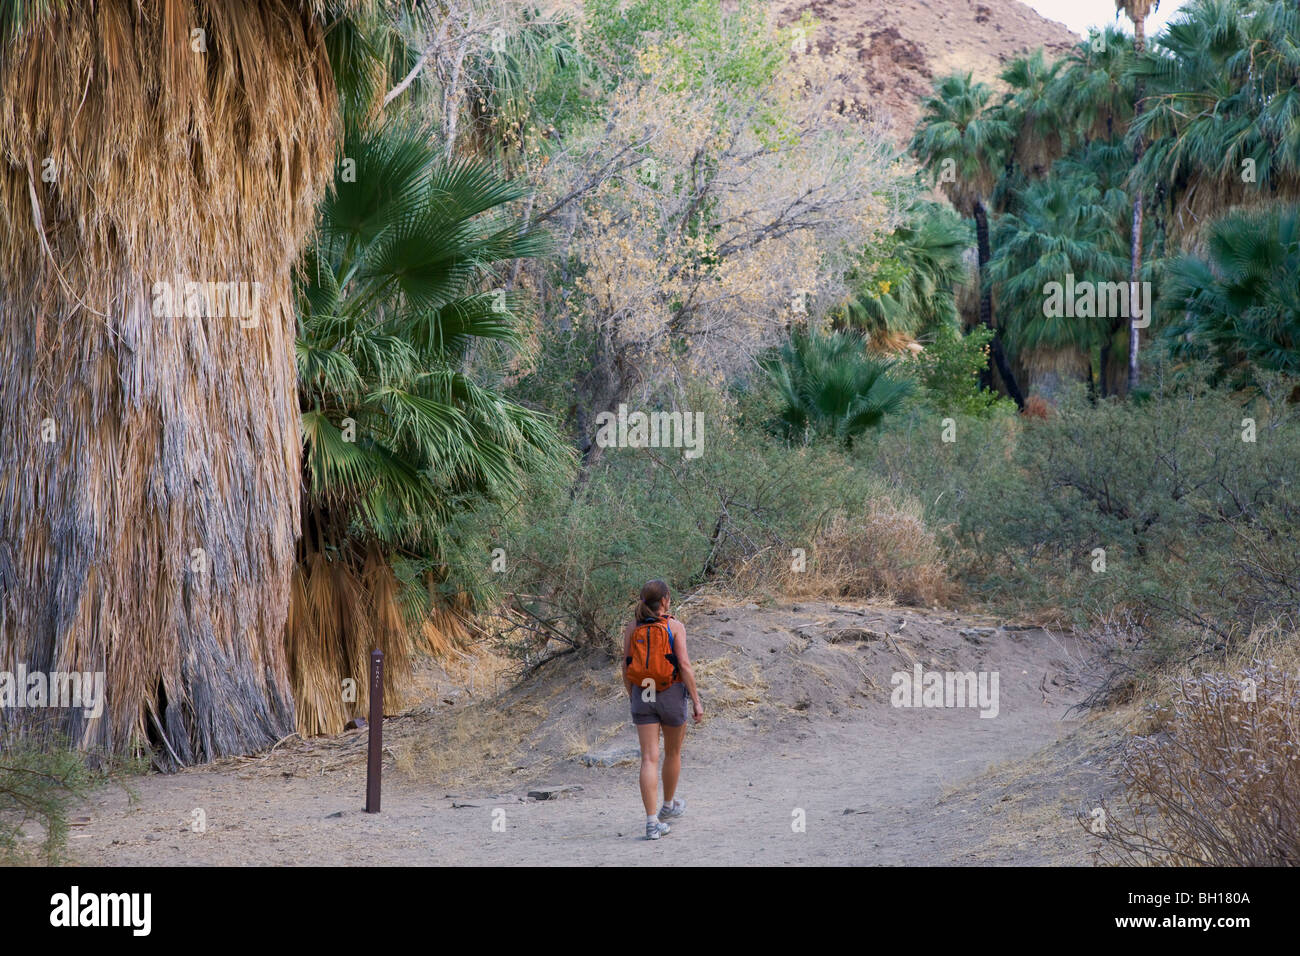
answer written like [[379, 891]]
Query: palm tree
[[150, 467], [523, 83], [908, 287], [1222, 122], [829, 386], [1137, 11], [1094, 92], [1070, 223], [1033, 112], [963, 136], [1094, 96], [398, 437], [1238, 305]]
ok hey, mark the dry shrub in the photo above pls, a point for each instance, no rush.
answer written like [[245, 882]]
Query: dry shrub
[[886, 552], [1218, 781], [476, 668], [1126, 655]]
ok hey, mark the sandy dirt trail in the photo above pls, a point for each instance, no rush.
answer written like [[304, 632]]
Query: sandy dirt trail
[[800, 726]]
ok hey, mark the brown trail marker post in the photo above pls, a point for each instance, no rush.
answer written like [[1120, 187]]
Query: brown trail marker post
[[374, 760]]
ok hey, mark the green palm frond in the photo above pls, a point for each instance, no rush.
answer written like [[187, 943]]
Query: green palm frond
[[828, 385], [1072, 223], [963, 137], [393, 295], [909, 285], [1222, 116], [1094, 92], [1238, 306]]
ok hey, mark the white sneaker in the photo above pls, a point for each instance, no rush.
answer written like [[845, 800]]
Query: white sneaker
[[674, 809], [655, 830]]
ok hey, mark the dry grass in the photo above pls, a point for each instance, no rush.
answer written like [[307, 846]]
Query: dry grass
[[1212, 776], [583, 740], [470, 746], [726, 689], [885, 553], [153, 537]]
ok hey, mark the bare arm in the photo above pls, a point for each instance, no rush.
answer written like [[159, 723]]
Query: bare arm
[[684, 667], [627, 652]]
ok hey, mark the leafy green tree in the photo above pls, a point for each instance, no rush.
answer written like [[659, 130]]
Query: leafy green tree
[[727, 41]]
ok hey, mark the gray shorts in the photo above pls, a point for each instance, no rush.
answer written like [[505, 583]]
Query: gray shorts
[[668, 708]]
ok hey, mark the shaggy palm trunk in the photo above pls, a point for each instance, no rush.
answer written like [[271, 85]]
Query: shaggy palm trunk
[[149, 477], [996, 354], [1135, 248]]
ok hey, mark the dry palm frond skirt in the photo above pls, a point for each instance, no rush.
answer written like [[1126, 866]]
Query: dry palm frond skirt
[[342, 608], [150, 472]]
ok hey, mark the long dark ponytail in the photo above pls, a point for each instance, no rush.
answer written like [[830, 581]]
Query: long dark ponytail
[[652, 599]]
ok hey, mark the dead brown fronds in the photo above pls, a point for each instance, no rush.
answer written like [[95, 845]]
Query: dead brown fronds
[[151, 466], [341, 611]]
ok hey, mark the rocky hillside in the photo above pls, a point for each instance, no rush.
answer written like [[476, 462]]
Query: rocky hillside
[[903, 45]]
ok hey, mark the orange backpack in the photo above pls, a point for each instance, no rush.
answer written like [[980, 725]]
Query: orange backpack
[[652, 654]]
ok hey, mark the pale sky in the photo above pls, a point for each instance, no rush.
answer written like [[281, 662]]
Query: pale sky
[[1079, 15]]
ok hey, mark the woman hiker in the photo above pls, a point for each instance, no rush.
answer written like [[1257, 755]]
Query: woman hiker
[[661, 688]]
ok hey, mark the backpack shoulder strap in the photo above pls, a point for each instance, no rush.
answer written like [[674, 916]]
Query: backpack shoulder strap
[[666, 621]]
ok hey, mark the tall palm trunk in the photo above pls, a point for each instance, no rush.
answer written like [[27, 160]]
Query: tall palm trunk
[[149, 476], [1135, 248], [996, 353]]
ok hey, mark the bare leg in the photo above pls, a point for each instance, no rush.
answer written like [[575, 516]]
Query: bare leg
[[648, 736], [673, 737]]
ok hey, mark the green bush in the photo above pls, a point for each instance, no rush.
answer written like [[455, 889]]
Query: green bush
[[1196, 523], [37, 786], [949, 370], [576, 555]]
